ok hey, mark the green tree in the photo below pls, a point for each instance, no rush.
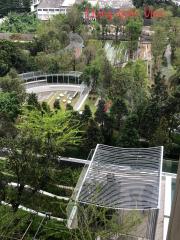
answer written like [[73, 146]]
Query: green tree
[[74, 18], [7, 127], [140, 87], [45, 107], [9, 105], [129, 136], [19, 23], [121, 83], [13, 84], [159, 43], [86, 114], [33, 152], [13, 56], [133, 31], [100, 114], [118, 111], [3, 185], [161, 134], [57, 104], [116, 21], [14, 6], [103, 21], [89, 53], [106, 76], [32, 101], [92, 136], [69, 107], [91, 76]]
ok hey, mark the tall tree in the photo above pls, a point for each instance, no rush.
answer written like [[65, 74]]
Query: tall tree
[[14, 6], [13, 84], [118, 111], [57, 104], [74, 18], [103, 21], [32, 101], [41, 138], [100, 114], [92, 136], [106, 77], [159, 43], [87, 114], [129, 136], [9, 105], [116, 21], [133, 31]]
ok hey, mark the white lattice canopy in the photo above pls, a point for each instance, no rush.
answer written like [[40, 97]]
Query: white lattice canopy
[[123, 178]]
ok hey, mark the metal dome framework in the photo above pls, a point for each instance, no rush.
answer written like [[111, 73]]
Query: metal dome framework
[[126, 180]]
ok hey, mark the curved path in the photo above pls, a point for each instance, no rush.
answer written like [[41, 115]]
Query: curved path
[[76, 44]]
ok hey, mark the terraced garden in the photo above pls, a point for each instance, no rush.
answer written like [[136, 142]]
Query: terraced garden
[[53, 197]]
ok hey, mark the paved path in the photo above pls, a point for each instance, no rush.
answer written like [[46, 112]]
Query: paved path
[[81, 100]]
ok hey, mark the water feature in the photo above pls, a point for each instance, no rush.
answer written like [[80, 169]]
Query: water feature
[[167, 55], [116, 53], [168, 70]]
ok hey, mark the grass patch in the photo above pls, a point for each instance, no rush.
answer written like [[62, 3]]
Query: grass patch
[[52, 188], [66, 176]]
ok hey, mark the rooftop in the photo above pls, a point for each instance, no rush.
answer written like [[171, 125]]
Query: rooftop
[[116, 4], [50, 3]]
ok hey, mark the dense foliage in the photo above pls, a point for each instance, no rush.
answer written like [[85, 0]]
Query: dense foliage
[[14, 6], [19, 23]]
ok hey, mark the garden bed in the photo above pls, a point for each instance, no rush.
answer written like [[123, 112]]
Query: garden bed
[[14, 225], [42, 203], [52, 188], [67, 176]]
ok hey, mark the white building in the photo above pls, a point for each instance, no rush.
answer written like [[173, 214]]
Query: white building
[[34, 5], [177, 2], [45, 9]]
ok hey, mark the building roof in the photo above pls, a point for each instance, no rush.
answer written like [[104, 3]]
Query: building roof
[[123, 178], [50, 3], [116, 4], [68, 3]]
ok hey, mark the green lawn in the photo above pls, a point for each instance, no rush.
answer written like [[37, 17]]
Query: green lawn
[[91, 101]]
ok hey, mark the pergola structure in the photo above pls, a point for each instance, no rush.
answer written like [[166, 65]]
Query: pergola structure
[[128, 181], [71, 77]]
